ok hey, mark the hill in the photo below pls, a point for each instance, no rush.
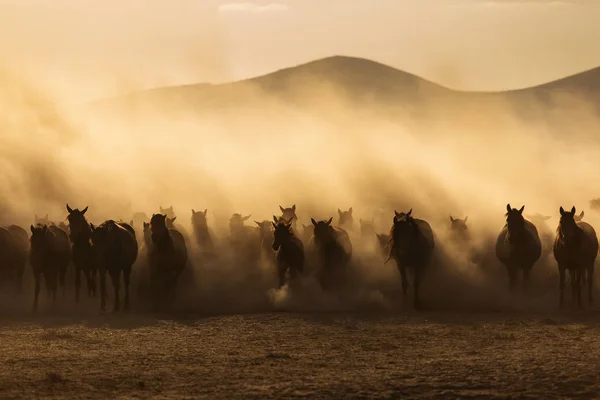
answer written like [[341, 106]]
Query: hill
[[355, 82]]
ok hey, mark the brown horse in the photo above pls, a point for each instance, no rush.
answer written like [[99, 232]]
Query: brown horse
[[384, 243], [575, 250], [49, 255], [411, 244], [334, 252], [345, 219], [167, 256], [290, 250], [82, 251], [289, 214], [117, 250], [518, 246], [21, 241], [201, 232], [265, 230], [459, 229]]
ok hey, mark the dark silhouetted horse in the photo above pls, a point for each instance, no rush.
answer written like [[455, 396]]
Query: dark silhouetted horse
[[290, 250], [459, 230], [575, 250], [21, 243], [345, 219], [167, 258], [82, 251], [289, 213], [201, 231], [383, 239], [244, 241], [518, 246], [334, 251], [12, 259], [117, 249], [411, 244], [49, 255]]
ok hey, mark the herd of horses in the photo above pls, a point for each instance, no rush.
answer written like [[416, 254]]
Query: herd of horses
[[113, 247]]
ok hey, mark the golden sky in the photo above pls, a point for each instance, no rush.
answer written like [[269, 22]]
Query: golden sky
[[94, 49]]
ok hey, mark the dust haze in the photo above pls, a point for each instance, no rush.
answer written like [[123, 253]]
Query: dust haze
[[462, 161]]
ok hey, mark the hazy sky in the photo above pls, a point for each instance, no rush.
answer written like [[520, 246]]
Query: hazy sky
[[101, 48]]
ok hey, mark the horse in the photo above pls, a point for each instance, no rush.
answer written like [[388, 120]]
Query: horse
[[383, 239], [289, 213], [345, 219], [459, 230], [265, 231], [334, 251], [201, 232], [518, 246], [42, 220], [49, 255], [12, 259], [21, 252], [117, 250], [82, 250], [245, 240], [289, 249], [307, 233], [411, 244], [575, 250], [167, 257]]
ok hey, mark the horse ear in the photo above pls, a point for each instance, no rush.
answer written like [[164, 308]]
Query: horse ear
[[246, 217], [173, 219], [272, 223], [289, 221], [84, 210], [257, 223], [275, 219], [508, 208], [350, 210], [573, 210], [294, 208], [92, 227], [339, 211], [281, 208], [329, 221], [466, 218], [562, 210], [397, 214], [45, 228], [205, 211], [409, 213], [581, 214], [193, 211], [31, 228], [69, 209], [313, 221], [451, 219]]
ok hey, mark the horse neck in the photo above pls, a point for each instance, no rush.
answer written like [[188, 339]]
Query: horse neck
[[85, 234], [161, 238], [576, 236]]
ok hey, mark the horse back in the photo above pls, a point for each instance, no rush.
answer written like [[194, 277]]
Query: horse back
[[179, 245], [426, 231], [19, 237], [342, 239]]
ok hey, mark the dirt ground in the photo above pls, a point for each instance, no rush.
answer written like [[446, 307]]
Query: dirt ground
[[290, 355]]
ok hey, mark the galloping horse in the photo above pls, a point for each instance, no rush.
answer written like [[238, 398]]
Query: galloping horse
[[334, 251], [575, 250], [84, 258], [518, 246], [411, 244], [290, 250]]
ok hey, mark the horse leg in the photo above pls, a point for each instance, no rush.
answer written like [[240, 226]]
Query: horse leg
[[77, 283], [417, 285], [54, 279], [126, 277], [402, 270], [48, 283], [561, 284], [590, 282], [92, 282], [281, 274], [103, 290], [526, 276], [512, 278], [115, 276], [578, 275], [61, 280], [36, 275], [573, 278]]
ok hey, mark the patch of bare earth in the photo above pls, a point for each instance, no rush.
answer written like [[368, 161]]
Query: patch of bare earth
[[315, 356]]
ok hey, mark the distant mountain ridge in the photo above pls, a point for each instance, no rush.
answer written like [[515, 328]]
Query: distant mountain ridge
[[359, 80]]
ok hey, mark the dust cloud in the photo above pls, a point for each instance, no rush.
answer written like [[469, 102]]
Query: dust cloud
[[262, 152]]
